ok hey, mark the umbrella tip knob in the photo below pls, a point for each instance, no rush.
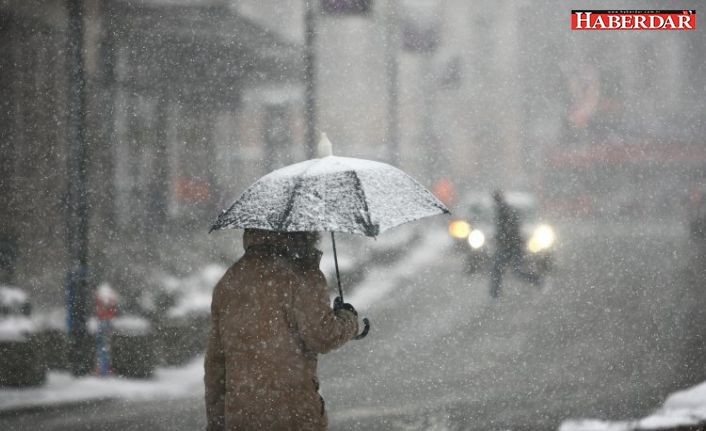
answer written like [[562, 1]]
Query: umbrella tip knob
[[325, 147]]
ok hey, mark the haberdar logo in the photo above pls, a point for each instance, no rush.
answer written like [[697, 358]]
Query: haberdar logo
[[633, 20]]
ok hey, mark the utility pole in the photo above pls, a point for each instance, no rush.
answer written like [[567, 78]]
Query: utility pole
[[77, 286], [429, 136], [392, 72], [310, 77]]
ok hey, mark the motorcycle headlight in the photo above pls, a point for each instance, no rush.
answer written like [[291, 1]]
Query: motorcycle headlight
[[542, 238], [476, 239], [459, 229]]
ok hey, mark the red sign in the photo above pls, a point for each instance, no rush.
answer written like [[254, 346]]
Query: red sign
[[633, 20], [192, 191]]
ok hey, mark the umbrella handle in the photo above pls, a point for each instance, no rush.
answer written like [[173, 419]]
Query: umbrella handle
[[362, 335], [366, 322]]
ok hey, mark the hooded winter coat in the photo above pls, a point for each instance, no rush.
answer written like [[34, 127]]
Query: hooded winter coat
[[270, 318]]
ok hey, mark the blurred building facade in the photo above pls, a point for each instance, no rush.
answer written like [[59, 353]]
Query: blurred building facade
[[495, 93], [33, 180], [185, 100], [630, 142]]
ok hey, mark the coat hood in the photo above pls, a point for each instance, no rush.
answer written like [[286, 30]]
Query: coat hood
[[255, 237], [301, 246]]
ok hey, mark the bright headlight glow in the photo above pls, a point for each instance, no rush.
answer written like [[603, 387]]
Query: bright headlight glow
[[476, 239], [459, 229], [542, 238]]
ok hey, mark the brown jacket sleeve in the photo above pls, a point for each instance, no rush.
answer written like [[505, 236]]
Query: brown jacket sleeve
[[214, 369], [320, 328]]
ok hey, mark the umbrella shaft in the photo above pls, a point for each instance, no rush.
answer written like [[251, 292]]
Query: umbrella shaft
[[335, 260]]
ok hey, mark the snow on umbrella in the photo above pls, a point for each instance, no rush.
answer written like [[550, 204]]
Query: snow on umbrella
[[334, 194]]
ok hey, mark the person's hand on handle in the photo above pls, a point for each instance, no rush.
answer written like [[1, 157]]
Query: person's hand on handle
[[338, 304]]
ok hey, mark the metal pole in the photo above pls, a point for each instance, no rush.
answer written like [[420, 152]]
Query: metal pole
[[77, 288], [335, 259], [310, 77], [428, 131], [391, 69]]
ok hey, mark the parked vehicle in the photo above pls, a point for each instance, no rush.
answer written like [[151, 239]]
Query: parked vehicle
[[22, 361], [474, 228]]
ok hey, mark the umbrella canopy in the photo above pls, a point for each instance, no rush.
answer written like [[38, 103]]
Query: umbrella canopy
[[336, 194]]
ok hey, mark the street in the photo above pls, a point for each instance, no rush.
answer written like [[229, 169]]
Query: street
[[608, 336]]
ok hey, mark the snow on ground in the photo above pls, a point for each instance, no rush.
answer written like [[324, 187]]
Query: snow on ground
[[358, 252], [682, 408], [346, 262], [63, 388], [195, 291], [381, 280], [16, 328], [12, 296]]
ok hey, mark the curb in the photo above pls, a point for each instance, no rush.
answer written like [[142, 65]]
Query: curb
[[29, 409]]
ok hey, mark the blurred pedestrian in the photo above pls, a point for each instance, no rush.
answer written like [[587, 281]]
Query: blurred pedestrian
[[270, 318], [508, 249]]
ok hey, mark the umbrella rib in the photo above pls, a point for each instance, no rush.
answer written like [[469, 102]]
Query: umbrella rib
[[290, 202], [370, 228], [219, 223]]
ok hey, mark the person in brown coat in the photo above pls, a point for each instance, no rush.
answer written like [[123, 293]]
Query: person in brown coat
[[270, 318]]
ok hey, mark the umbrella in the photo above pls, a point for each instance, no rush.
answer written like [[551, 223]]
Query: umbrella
[[334, 194]]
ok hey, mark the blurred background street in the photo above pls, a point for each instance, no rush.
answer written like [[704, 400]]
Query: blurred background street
[[605, 337]]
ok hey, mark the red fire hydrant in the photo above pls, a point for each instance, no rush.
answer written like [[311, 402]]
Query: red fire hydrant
[[106, 311]]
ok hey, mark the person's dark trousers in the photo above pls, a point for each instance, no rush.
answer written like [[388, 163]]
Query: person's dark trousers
[[516, 259], [500, 261]]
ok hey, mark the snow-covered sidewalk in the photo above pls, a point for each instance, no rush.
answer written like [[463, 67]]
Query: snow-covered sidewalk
[[62, 388], [681, 409], [380, 280]]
